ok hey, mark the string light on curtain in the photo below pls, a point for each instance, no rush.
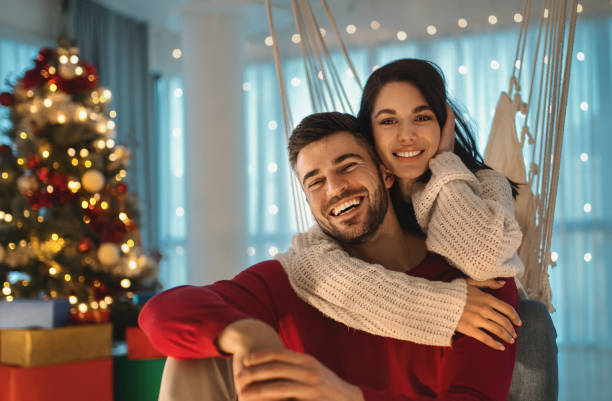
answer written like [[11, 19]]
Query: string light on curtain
[[375, 25], [177, 53], [462, 23]]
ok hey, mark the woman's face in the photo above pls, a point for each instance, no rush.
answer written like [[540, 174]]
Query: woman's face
[[406, 131]]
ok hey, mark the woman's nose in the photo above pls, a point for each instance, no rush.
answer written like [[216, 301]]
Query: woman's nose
[[406, 132]]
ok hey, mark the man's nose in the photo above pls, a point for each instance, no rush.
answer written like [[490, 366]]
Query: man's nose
[[336, 184]]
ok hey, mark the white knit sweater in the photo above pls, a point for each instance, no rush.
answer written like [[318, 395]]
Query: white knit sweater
[[469, 219]]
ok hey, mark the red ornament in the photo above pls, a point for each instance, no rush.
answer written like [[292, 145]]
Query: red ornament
[[44, 55], [85, 244], [42, 173], [5, 150], [7, 99], [121, 188], [32, 78], [33, 161]]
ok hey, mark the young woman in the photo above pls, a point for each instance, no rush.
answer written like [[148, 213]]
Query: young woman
[[443, 191]]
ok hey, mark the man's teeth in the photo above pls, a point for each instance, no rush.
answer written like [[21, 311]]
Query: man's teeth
[[345, 206], [409, 154]]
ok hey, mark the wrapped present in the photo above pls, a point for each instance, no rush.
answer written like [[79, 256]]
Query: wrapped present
[[137, 380], [77, 381], [25, 313], [37, 347], [138, 345]]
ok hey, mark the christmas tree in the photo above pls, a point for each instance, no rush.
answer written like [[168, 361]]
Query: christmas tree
[[68, 226]]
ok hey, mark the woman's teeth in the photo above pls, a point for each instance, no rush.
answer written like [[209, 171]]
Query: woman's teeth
[[409, 154]]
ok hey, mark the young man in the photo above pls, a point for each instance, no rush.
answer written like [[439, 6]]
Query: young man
[[282, 347]]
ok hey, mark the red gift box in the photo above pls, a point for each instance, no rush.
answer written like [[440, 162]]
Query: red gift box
[[138, 345], [77, 381]]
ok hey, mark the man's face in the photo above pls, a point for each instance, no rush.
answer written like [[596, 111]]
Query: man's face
[[344, 187]]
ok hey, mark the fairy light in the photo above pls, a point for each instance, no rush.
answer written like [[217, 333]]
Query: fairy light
[[74, 162], [51, 70], [518, 18], [110, 125], [86, 219], [45, 153], [177, 53], [9, 298], [108, 300], [87, 163], [126, 283], [50, 189], [11, 246], [33, 109], [462, 23], [67, 277], [92, 201], [130, 243], [132, 264], [269, 41], [402, 35], [82, 307], [351, 29], [6, 290], [40, 219], [23, 243], [296, 38], [94, 305], [84, 152], [73, 300], [104, 205], [71, 152], [431, 30], [122, 173], [47, 103], [125, 248], [20, 161], [52, 271], [123, 216], [375, 25], [492, 19], [110, 143], [53, 87], [102, 304], [84, 204], [78, 70], [8, 218], [5, 175], [83, 115], [63, 59], [23, 135], [112, 114]]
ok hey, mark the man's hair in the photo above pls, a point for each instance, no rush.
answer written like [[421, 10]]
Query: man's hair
[[320, 125]]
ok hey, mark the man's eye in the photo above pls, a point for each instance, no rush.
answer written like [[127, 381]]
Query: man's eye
[[314, 184], [348, 167]]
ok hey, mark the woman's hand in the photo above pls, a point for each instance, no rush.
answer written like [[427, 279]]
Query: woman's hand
[[485, 312], [447, 135], [288, 375]]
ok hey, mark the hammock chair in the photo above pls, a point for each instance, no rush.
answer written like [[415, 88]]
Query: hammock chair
[[541, 135]]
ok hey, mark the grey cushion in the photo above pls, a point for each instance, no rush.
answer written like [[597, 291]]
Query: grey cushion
[[535, 376]]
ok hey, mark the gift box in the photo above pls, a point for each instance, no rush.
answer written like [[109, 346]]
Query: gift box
[[138, 345], [77, 381], [25, 313], [137, 380], [37, 347]]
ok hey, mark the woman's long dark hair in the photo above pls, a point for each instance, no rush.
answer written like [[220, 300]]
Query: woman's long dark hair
[[429, 79]]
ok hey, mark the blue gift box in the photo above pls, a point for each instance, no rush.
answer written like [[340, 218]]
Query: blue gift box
[[30, 313]]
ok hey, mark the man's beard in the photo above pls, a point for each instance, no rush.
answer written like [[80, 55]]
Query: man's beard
[[354, 233]]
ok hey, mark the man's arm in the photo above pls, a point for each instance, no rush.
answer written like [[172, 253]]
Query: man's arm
[[184, 322]]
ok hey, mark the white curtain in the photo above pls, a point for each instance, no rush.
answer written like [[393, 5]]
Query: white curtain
[[477, 68], [171, 188], [15, 59]]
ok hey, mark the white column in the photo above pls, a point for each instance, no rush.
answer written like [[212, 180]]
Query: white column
[[212, 45]]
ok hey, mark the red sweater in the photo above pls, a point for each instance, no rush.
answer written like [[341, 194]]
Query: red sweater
[[183, 322]]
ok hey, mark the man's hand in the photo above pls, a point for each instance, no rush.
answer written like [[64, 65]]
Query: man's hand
[[282, 374], [485, 312], [447, 133]]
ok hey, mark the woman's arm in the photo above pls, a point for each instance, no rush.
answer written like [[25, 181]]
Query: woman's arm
[[469, 218], [393, 304]]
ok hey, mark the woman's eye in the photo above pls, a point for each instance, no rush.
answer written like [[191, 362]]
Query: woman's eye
[[424, 117], [387, 121]]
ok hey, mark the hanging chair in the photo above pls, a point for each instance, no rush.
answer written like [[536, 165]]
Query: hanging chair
[[541, 135]]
